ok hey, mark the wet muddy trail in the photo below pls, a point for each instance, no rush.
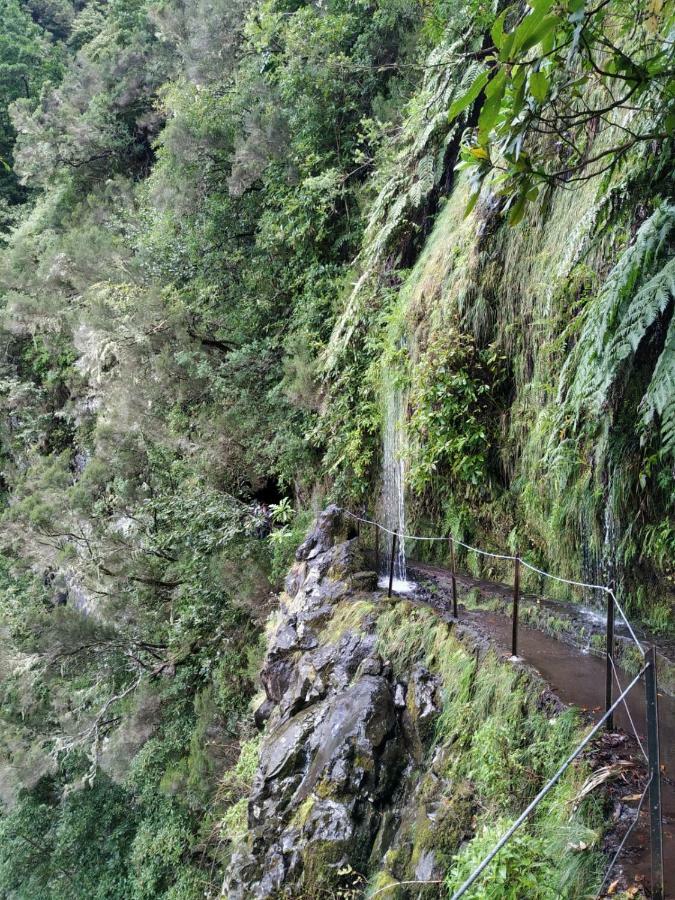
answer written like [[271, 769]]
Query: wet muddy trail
[[578, 678]]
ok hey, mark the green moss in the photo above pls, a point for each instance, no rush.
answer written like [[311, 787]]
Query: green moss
[[302, 813], [384, 880], [499, 748], [347, 616], [321, 867], [442, 828]]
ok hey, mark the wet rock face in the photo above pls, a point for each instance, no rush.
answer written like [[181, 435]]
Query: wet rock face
[[333, 749]]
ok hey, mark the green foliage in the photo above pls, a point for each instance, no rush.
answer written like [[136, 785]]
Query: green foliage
[[520, 870], [98, 120], [69, 845], [284, 542], [498, 746], [552, 69], [450, 425], [636, 295], [218, 250], [28, 58], [234, 789], [282, 512]]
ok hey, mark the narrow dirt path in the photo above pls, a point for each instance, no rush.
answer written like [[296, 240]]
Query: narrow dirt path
[[578, 678], [592, 619]]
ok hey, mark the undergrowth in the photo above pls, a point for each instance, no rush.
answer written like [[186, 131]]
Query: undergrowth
[[501, 737]]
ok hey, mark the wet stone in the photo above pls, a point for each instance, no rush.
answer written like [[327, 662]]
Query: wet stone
[[333, 746]]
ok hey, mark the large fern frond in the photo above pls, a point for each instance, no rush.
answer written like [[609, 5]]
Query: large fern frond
[[647, 305], [637, 294], [659, 400]]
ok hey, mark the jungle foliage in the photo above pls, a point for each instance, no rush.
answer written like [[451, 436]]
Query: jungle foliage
[[215, 216]]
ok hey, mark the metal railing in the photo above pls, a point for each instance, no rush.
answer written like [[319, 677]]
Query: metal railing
[[648, 670]]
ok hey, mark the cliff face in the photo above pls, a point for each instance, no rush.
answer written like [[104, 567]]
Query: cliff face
[[525, 406], [334, 746], [387, 733]]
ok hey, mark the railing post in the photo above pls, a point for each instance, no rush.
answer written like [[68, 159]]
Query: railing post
[[394, 541], [516, 603], [377, 548], [655, 818], [608, 661], [454, 580]]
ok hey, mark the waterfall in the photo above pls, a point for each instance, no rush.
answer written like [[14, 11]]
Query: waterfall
[[393, 481]]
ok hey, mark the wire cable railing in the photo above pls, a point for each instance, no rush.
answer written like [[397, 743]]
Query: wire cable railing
[[550, 784], [505, 556], [648, 670]]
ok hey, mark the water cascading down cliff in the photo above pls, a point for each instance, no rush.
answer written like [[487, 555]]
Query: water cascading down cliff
[[393, 481]]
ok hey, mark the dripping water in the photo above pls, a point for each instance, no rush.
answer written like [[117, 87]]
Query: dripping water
[[393, 484]]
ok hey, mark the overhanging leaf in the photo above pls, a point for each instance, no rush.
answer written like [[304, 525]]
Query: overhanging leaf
[[544, 28], [539, 85], [494, 93], [468, 96]]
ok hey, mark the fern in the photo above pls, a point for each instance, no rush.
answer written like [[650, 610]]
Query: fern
[[637, 292], [647, 305], [637, 295], [660, 396]]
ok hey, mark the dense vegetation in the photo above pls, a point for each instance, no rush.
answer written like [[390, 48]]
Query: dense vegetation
[[226, 225]]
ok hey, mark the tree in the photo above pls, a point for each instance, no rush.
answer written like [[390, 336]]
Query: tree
[[567, 92], [28, 58]]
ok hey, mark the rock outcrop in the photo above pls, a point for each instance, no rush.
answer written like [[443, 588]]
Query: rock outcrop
[[337, 729], [381, 725]]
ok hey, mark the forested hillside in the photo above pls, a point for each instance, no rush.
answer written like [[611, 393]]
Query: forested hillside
[[228, 230]]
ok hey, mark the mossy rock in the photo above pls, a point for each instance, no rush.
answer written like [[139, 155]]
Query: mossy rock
[[348, 615], [382, 880], [323, 864], [443, 826]]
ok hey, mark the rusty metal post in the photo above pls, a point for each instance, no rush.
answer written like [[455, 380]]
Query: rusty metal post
[[516, 603], [608, 662], [394, 541], [377, 548], [655, 815], [454, 580]]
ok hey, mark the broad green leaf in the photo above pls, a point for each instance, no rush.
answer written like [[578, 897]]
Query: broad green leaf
[[540, 7], [518, 77], [494, 92], [468, 96], [497, 30], [496, 85], [539, 85], [525, 28], [473, 199], [517, 210], [507, 44], [544, 28]]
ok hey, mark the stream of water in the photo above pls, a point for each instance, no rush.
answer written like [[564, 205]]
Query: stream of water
[[393, 485]]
